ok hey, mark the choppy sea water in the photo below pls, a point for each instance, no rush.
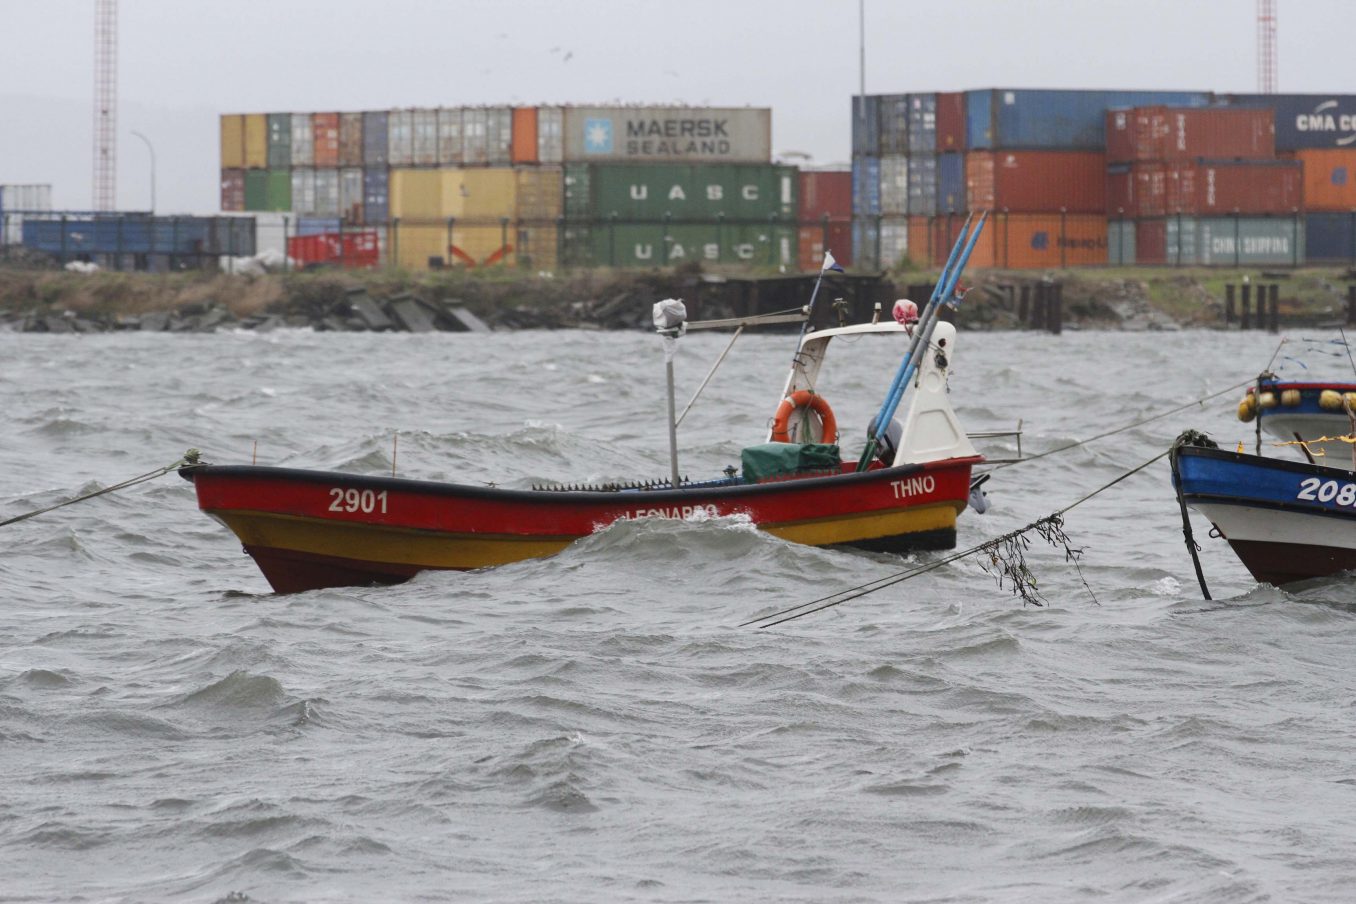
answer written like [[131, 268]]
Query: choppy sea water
[[596, 726]]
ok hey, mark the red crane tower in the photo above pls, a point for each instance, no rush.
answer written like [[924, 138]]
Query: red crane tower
[[105, 104], [1266, 46]]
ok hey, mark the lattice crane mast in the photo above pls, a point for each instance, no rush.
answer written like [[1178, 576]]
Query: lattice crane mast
[[105, 104]]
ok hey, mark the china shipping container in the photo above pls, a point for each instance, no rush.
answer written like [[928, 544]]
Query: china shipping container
[[376, 194], [658, 245], [866, 125], [1329, 178], [951, 183], [450, 140], [376, 138], [1024, 241], [668, 135], [351, 194], [524, 148], [1221, 241], [325, 135], [894, 241], [922, 123], [303, 191], [865, 187], [279, 140], [1330, 238], [232, 141], [825, 193], [894, 185], [256, 141], [893, 119], [233, 190], [350, 139], [474, 151], [1008, 119], [551, 135], [834, 236], [400, 137], [303, 140], [1120, 242], [1305, 120], [424, 137], [681, 192], [1036, 181], [499, 135], [951, 121], [1189, 133], [922, 184]]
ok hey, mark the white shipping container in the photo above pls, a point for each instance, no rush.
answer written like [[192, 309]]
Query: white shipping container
[[894, 185], [400, 138], [449, 136], [424, 145], [894, 241], [25, 197], [303, 140], [303, 192], [473, 126], [327, 193], [550, 134], [499, 135]]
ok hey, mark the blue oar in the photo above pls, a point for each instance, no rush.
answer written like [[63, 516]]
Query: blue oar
[[946, 285]]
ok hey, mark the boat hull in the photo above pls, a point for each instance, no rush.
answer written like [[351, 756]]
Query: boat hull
[[312, 529], [1286, 521]]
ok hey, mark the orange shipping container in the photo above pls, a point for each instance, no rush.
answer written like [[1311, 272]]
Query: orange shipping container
[[1329, 178], [524, 148], [326, 130], [1026, 241], [811, 242], [1036, 181]]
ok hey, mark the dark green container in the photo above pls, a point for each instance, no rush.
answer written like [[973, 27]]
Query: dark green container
[[256, 189], [668, 245], [684, 194], [279, 140], [278, 195]]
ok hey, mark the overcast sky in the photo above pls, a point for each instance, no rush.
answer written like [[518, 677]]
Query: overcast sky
[[183, 62]]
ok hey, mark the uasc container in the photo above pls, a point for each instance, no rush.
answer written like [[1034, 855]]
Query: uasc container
[[734, 192]]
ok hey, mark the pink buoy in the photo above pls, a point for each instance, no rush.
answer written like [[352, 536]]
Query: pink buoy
[[905, 312]]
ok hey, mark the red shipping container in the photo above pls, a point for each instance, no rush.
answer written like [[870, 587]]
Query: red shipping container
[[1189, 133], [233, 189], [1151, 242], [812, 244], [1036, 181], [1136, 190], [524, 145], [1248, 187], [825, 192], [950, 121], [351, 250], [325, 128]]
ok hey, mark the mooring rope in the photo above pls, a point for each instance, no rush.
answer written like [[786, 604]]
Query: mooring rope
[[1050, 527], [191, 457]]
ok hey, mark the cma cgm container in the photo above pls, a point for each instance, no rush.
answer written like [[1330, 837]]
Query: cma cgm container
[[1187, 133], [376, 138], [657, 245], [1221, 241], [680, 193], [279, 140], [668, 135], [1329, 178], [1206, 187], [1330, 238], [1305, 120], [1036, 181], [1000, 118]]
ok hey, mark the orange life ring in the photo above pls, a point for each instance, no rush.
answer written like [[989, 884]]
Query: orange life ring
[[804, 398]]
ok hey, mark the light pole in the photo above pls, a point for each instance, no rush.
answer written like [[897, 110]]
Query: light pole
[[150, 147]]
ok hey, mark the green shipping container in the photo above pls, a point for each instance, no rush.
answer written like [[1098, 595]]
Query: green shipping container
[[668, 245], [256, 189], [685, 194], [1236, 241], [279, 140], [279, 192]]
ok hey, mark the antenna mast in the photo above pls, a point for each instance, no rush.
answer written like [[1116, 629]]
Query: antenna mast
[[1266, 46], [105, 104]]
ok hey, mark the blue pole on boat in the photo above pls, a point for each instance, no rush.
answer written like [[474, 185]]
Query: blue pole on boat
[[946, 284]]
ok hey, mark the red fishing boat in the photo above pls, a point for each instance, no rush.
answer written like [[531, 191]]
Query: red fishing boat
[[311, 529]]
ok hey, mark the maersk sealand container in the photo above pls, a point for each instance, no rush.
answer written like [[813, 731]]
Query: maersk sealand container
[[1305, 120], [1003, 118]]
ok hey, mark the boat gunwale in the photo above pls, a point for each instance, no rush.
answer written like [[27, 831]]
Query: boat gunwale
[[1299, 467]]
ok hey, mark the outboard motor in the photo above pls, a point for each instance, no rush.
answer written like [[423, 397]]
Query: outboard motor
[[887, 444]]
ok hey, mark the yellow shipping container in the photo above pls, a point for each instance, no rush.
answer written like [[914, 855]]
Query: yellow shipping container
[[232, 141], [483, 193], [418, 194], [256, 141], [540, 193], [412, 246]]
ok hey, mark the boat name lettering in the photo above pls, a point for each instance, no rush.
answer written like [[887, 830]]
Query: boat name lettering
[[1313, 489], [913, 486], [353, 500], [675, 511]]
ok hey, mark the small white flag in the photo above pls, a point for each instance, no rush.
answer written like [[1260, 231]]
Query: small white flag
[[830, 263]]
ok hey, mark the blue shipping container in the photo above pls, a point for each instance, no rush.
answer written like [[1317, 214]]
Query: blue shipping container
[[950, 183], [140, 235], [894, 124], [376, 195], [866, 186], [922, 123], [1330, 238], [1305, 120], [1004, 119], [375, 138], [866, 125]]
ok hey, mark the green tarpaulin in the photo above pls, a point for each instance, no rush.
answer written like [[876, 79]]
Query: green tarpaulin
[[785, 459]]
